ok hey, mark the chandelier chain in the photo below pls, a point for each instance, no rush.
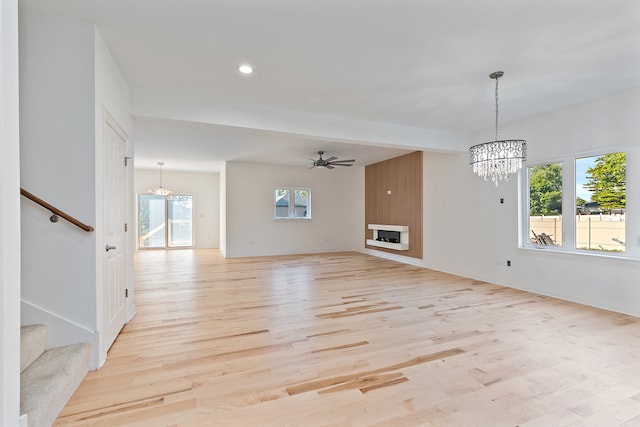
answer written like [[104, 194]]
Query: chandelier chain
[[497, 78]]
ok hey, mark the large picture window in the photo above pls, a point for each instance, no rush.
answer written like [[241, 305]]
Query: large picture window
[[292, 203], [601, 202], [545, 204], [594, 209]]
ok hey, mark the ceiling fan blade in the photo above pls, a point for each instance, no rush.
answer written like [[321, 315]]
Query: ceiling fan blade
[[342, 161], [329, 162]]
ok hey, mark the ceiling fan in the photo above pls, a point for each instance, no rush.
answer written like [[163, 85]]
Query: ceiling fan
[[330, 162]]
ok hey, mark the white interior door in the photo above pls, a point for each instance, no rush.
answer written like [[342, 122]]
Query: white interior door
[[114, 298]]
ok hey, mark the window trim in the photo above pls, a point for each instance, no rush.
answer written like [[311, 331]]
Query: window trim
[[568, 246], [291, 210]]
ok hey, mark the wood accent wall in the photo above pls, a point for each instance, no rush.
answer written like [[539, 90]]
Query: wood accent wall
[[403, 177]]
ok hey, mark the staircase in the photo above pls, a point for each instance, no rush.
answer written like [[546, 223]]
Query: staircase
[[48, 378]]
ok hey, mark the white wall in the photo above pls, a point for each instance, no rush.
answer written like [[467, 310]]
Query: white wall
[[603, 125], [9, 217], [337, 207], [485, 232], [467, 231], [68, 80], [57, 158], [205, 189], [223, 211]]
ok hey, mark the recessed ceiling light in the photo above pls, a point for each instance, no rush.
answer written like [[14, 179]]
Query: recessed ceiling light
[[245, 69]]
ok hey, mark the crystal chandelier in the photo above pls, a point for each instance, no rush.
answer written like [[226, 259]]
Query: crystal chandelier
[[160, 191], [498, 159]]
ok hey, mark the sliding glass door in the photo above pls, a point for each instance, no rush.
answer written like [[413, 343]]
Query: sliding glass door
[[151, 221], [180, 221], [165, 221]]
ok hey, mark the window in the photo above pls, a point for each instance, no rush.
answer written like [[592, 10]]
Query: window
[[545, 204], [601, 201], [165, 221], [595, 208], [292, 203]]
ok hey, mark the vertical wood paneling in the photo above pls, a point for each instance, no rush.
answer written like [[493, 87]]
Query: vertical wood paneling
[[403, 177]]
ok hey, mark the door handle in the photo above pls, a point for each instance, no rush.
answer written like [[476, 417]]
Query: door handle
[[109, 247]]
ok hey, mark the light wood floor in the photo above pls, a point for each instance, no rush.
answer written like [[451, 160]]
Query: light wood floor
[[352, 340]]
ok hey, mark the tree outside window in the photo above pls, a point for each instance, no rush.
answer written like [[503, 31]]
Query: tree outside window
[[598, 219], [601, 201], [545, 182], [545, 204]]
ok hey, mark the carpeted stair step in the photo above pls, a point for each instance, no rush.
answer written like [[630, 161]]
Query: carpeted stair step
[[33, 339], [48, 383]]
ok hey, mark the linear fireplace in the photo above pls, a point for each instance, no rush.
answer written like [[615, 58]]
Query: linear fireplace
[[389, 236]]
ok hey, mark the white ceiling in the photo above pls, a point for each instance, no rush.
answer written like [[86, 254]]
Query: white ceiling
[[332, 74]]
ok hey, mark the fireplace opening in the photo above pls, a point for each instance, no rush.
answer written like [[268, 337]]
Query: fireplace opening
[[388, 236]]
